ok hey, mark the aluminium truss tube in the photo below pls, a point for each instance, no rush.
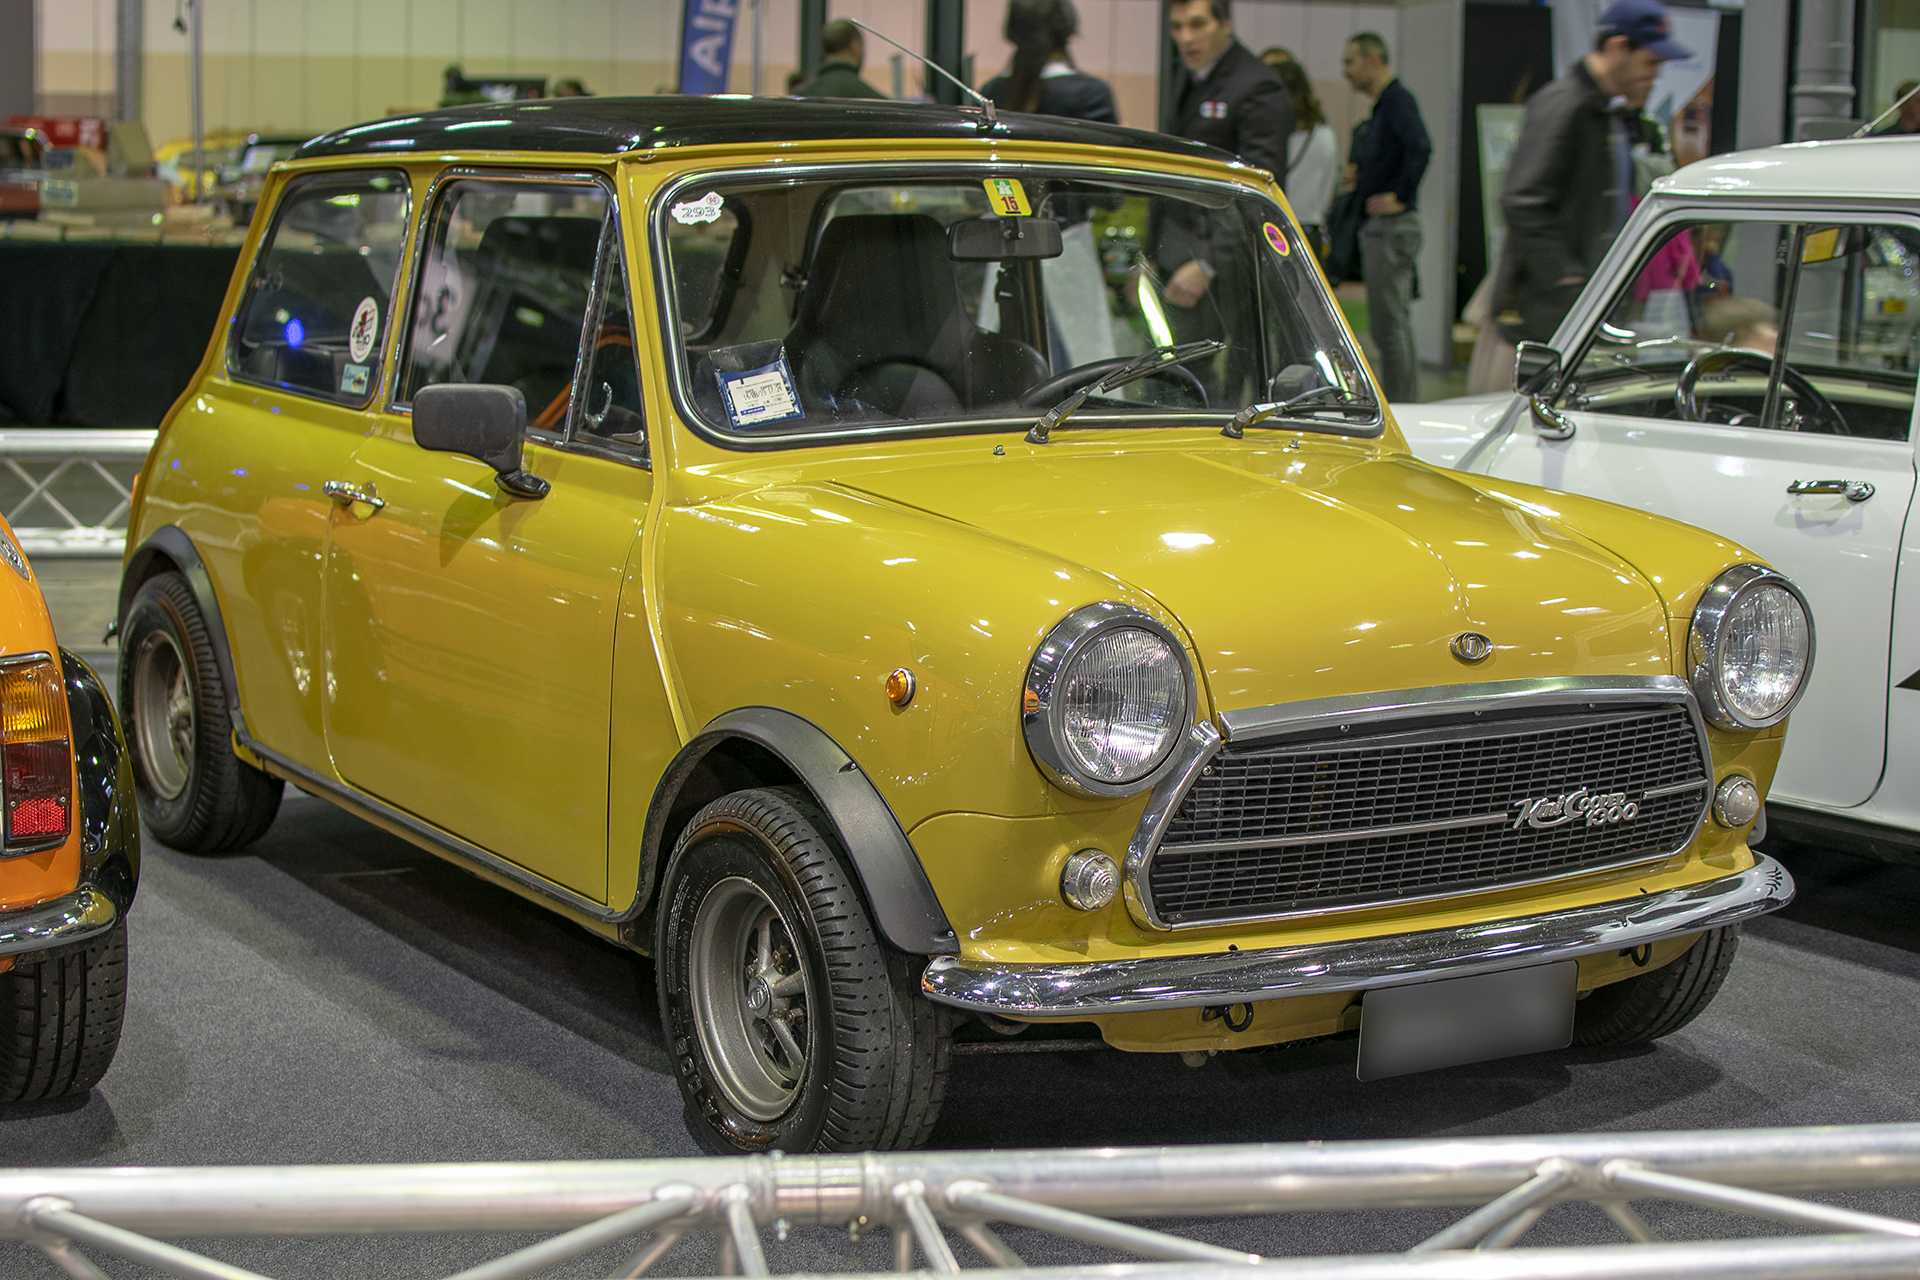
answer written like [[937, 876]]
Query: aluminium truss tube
[[1156, 1183]]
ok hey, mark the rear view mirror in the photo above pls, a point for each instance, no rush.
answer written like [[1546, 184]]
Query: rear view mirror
[[482, 422], [999, 239], [1536, 368]]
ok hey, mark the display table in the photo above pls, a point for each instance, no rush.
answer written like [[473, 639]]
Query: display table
[[101, 333]]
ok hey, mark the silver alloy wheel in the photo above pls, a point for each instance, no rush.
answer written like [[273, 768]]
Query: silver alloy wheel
[[163, 720], [750, 998]]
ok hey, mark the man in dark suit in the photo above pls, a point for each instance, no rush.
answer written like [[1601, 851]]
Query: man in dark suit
[[1231, 100]]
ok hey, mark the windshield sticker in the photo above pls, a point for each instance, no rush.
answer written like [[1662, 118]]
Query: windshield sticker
[[366, 327], [11, 554], [353, 379], [757, 397], [1008, 197], [705, 209], [1277, 238]]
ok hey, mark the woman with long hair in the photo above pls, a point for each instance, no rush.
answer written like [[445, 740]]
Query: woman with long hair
[[1313, 155], [1043, 78]]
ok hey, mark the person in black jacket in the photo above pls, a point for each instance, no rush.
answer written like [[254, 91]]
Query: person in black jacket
[[1570, 182], [1228, 99], [842, 50], [1388, 160], [1043, 78]]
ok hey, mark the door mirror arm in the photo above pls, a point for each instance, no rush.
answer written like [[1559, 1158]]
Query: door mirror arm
[[485, 422], [1536, 375]]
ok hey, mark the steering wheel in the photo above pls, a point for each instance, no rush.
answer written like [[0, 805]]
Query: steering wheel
[[1724, 359], [1045, 395]]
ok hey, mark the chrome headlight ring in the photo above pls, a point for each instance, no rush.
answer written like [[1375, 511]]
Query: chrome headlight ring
[[1043, 711], [1707, 639]]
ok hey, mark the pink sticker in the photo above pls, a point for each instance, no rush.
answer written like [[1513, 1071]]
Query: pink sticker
[[1277, 238]]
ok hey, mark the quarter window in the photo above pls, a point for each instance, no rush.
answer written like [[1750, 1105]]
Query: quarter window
[[318, 300], [505, 284]]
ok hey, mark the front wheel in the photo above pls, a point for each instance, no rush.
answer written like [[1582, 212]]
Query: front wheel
[[1657, 1004], [793, 1026]]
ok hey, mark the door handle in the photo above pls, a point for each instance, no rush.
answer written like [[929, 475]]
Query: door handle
[[345, 495], [1852, 490]]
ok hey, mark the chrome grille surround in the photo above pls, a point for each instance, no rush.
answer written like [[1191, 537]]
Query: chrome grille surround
[[1350, 722]]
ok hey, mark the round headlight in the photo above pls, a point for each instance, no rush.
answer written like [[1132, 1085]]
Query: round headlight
[[1108, 698], [1750, 648]]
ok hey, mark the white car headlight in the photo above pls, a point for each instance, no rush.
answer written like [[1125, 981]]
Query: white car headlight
[[1108, 698], [1750, 649]]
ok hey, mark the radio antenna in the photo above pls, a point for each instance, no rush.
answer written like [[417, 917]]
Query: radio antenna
[[986, 104], [1861, 132]]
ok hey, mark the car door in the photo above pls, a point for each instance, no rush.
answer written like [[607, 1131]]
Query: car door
[[1679, 404], [246, 455], [470, 632]]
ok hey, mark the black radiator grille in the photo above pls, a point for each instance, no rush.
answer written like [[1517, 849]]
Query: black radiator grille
[[1252, 797]]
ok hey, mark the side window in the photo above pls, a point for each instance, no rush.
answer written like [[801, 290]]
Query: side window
[[1855, 335], [504, 285], [319, 296], [612, 414], [706, 246], [1696, 334]]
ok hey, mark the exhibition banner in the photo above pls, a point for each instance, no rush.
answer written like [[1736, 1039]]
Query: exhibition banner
[[706, 45]]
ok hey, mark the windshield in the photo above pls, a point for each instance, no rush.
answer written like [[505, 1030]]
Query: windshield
[[816, 307]]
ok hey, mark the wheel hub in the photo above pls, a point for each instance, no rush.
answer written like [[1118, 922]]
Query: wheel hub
[[750, 996]]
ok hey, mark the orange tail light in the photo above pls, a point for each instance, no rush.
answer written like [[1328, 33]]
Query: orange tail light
[[36, 757]]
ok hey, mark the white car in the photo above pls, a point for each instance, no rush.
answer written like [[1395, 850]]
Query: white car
[[1670, 388]]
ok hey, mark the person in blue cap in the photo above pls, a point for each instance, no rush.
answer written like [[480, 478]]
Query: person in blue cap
[[1570, 185]]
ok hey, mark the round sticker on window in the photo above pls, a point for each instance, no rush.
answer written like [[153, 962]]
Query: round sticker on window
[[366, 327], [1277, 238]]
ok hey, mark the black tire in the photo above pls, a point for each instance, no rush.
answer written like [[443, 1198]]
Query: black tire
[[1651, 1005], [871, 1071], [195, 794], [60, 1019]]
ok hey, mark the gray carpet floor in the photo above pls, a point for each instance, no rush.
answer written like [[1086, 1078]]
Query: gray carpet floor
[[334, 995]]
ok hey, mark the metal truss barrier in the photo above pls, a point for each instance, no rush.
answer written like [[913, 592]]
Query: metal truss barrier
[[66, 490], [925, 1199]]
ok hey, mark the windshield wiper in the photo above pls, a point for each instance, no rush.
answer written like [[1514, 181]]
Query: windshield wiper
[[1345, 401], [1144, 365]]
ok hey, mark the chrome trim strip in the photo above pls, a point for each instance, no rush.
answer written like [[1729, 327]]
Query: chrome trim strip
[[1357, 833], [1254, 723], [1395, 960], [82, 914], [1654, 793], [432, 838], [1258, 724]]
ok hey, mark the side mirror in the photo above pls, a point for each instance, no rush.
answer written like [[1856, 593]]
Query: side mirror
[[999, 239], [482, 422], [1536, 368]]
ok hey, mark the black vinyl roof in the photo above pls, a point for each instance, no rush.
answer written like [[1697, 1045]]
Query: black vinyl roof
[[614, 125]]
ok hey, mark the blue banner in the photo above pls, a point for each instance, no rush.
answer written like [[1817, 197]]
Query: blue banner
[[706, 45]]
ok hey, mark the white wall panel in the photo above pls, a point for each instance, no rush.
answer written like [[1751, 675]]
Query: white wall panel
[[1431, 33]]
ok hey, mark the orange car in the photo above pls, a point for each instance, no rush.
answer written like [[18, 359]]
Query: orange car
[[69, 853]]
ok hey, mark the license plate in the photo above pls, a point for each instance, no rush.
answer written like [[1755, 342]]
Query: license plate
[[1460, 1020]]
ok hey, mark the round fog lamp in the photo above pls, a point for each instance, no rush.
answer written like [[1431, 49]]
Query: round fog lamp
[[1090, 881], [1736, 803]]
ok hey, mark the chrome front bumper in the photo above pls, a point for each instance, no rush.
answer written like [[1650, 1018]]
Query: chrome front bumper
[[76, 917], [1235, 977]]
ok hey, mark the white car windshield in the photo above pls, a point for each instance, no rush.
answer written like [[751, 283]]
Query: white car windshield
[[838, 303]]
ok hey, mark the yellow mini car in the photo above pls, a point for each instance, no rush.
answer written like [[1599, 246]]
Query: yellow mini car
[[778, 538], [69, 853]]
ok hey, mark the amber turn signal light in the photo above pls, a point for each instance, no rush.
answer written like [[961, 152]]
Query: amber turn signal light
[[900, 686], [36, 757]]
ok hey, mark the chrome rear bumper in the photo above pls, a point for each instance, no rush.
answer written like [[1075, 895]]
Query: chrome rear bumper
[[1235, 977], [76, 917]]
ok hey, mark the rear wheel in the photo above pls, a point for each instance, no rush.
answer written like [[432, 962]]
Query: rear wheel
[[1658, 1004], [60, 1019], [195, 794], [793, 1025]]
